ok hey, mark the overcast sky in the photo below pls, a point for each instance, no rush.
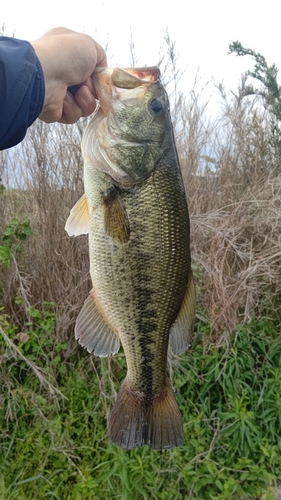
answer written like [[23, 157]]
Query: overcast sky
[[201, 29]]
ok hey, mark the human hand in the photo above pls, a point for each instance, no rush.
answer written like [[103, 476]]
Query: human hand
[[68, 58]]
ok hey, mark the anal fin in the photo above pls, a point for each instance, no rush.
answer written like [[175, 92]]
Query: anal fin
[[93, 332], [182, 330]]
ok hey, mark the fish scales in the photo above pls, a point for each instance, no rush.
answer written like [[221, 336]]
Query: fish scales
[[138, 302], [140, 267]]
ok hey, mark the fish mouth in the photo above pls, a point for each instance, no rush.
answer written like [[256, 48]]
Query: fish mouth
[[115, 83], [109, 139]]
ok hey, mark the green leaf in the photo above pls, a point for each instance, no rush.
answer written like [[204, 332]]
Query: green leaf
[[5, 255]]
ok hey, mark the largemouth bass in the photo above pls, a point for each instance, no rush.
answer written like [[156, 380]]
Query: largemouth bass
[[135, 212]]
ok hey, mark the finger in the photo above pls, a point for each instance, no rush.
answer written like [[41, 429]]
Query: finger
[[101, 59], [58, 31], [85, 100], [71, 111]]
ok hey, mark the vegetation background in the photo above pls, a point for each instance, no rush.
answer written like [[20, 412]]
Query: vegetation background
[[55, 398]]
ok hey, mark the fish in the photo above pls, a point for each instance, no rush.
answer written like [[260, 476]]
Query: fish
[[135, 213]]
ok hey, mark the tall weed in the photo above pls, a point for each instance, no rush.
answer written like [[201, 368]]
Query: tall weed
[[54, 445]]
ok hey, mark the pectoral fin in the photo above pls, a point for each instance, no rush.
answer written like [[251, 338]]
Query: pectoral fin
[[115, 217], [93, 332], [182, 330], [78, 220]]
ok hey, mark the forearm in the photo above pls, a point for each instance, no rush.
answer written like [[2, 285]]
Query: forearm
[[22, 90]]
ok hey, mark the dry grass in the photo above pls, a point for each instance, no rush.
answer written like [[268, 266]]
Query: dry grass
[[239, 248], [230, 168], [46, 170]]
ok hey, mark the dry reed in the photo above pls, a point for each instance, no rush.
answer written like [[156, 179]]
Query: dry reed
[[230, 170]]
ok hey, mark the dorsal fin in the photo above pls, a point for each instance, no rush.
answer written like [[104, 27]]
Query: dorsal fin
[[94, 332], [182, 330]]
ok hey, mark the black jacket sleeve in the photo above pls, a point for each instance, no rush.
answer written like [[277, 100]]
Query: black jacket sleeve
[[22, 90]]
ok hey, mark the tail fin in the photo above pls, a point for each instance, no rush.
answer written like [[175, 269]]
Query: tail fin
[[136, 421]]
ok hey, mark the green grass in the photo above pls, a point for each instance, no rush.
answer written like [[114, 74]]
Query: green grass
[[53, 434]]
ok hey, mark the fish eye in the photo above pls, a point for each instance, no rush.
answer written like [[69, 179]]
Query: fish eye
[[155, 106]]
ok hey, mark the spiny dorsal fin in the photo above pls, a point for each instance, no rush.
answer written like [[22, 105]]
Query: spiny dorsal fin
[[115, 217], [78, 220], [182, 330], [93, 332]]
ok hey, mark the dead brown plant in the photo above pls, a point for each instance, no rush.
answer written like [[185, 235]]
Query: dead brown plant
[[233, 184]]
